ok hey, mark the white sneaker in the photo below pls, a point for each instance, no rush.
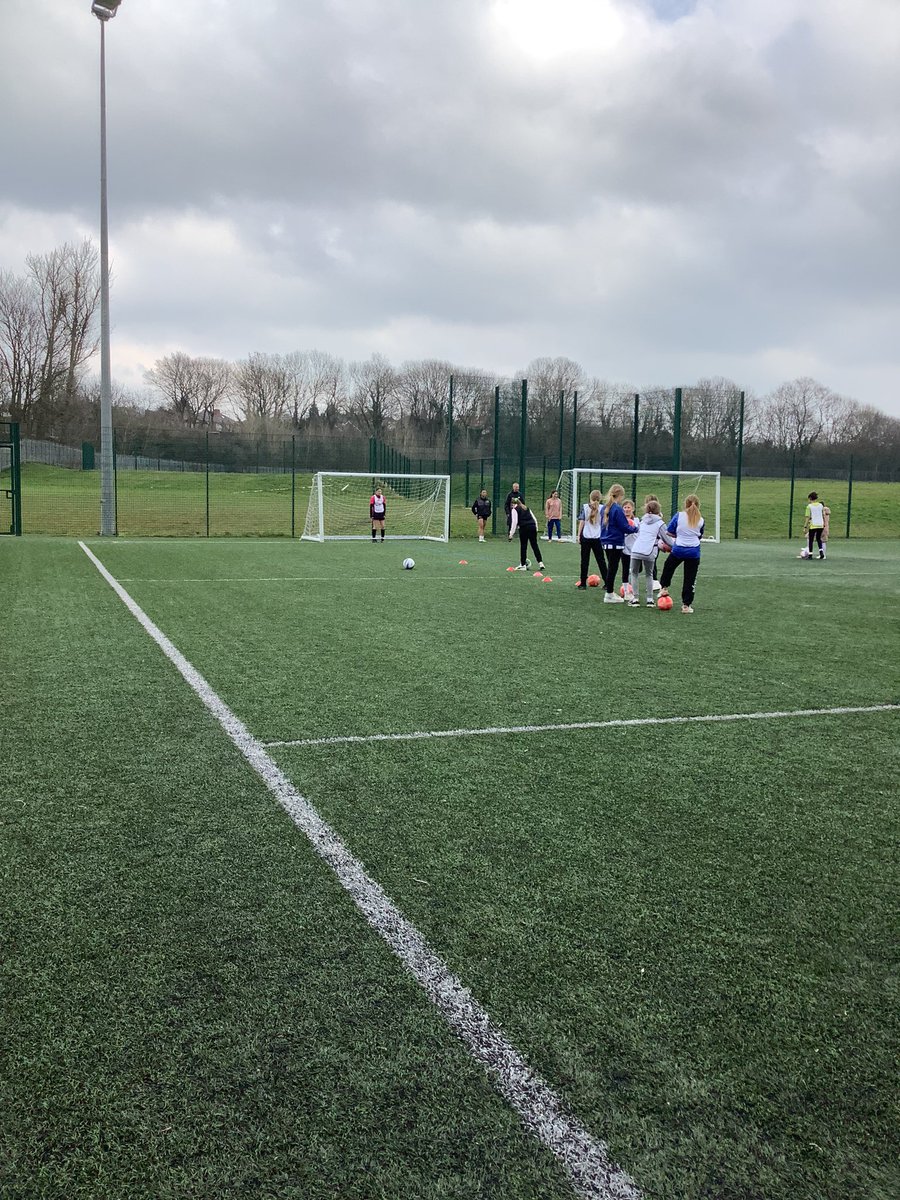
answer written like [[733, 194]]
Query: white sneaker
[[612, 598], [481, 539], [520, 567], [540, 566], [656, 585]]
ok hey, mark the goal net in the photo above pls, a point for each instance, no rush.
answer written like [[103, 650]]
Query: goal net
[[416, 506], [669, 487]]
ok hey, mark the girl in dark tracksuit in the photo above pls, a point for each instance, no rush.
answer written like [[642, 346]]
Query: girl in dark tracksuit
[[616, 528], [523, 520], [482, 510], [687, 528]]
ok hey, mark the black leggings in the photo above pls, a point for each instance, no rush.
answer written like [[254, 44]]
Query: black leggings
[[528, 537], [691, 567], [589, 545], [814, 535], [613, 554]]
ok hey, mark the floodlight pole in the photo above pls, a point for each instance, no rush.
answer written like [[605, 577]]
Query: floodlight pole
[[103, 12]]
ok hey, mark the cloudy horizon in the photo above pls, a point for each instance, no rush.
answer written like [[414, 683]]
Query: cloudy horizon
[[661, 190]]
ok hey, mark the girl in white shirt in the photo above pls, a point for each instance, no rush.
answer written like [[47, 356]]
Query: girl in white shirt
[[589, 522], [644, 551]]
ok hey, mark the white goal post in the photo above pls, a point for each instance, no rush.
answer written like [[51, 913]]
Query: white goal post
[[671, 487], [416, 506]]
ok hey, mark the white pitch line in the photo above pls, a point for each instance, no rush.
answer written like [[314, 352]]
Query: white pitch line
[[584, 1158], [560, 727]]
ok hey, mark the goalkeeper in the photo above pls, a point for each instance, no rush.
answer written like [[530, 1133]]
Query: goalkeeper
[[377, 512]]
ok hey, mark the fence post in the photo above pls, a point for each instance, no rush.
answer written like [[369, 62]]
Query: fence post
[[791, 500], [634, 447], [574, 427], [293, 485], [849, 494], [543, 480], [467, 483], [562, 421], [450, 437], [523, 439], [115, 467], [496, 481], [676, 449], [740, 458], [207, 477]]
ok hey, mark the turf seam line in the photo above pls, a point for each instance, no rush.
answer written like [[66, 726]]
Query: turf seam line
[[584, 1158], [559, 727]]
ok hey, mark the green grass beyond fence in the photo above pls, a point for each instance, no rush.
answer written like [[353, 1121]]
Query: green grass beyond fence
[[65, 502]]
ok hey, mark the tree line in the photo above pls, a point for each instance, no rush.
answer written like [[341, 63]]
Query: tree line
[[48, 341]]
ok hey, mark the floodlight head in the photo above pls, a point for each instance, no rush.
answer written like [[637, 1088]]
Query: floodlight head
[[104, 10]]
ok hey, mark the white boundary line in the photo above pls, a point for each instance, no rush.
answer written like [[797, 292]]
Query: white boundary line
[[563, 728], [584, 1158]]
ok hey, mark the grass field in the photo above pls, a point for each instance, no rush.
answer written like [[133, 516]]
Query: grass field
[[65, 502], [687, 929]]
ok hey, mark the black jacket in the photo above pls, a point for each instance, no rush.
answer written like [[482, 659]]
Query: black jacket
[[482, 508]]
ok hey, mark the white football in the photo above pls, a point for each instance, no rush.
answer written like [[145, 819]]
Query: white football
[[408, 564], [804, 553]]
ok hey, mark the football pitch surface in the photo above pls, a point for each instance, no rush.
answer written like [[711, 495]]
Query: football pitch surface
[[259, 942]]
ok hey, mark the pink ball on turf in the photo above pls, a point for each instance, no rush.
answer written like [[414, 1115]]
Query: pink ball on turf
[[664, 602], [593, 580]]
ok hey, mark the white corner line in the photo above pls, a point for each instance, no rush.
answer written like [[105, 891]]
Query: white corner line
[[584, 1158], [424, 735]]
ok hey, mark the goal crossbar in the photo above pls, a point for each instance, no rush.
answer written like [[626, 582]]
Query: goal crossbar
[[576, 484]]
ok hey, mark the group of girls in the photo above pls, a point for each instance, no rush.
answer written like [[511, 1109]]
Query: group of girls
[[610, 531]]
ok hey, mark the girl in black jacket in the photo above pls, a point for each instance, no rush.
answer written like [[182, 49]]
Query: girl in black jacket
[[523, 519], [482, 510]]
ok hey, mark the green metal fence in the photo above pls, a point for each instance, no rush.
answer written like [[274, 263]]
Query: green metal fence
[[207, 484]]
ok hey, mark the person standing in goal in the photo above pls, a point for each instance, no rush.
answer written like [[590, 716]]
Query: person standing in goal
[[521, 518], [377, 512]]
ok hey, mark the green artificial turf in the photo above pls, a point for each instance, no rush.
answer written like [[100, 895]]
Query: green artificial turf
[[687, 929]]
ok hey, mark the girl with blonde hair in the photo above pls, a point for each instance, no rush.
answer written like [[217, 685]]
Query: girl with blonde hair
[[615, 528], [589, 530], [687, 528]]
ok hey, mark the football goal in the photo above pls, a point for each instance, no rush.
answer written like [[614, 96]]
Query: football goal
[[670, 488], [416, 506]]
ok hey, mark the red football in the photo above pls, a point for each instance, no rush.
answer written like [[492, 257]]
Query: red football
[[664, 602]]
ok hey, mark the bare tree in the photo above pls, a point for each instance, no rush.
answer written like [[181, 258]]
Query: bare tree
[[547, 378], [21, 347], [423, 391], [793, 418], [263, 387], [373, 395], [194, 388], [711, 418], [67, 287]]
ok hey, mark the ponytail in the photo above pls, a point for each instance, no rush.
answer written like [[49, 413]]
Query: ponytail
[[692, 510], [594, 505], [614, 495]]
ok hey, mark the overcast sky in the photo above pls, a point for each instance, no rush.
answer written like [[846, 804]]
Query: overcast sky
[[660, 189]]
